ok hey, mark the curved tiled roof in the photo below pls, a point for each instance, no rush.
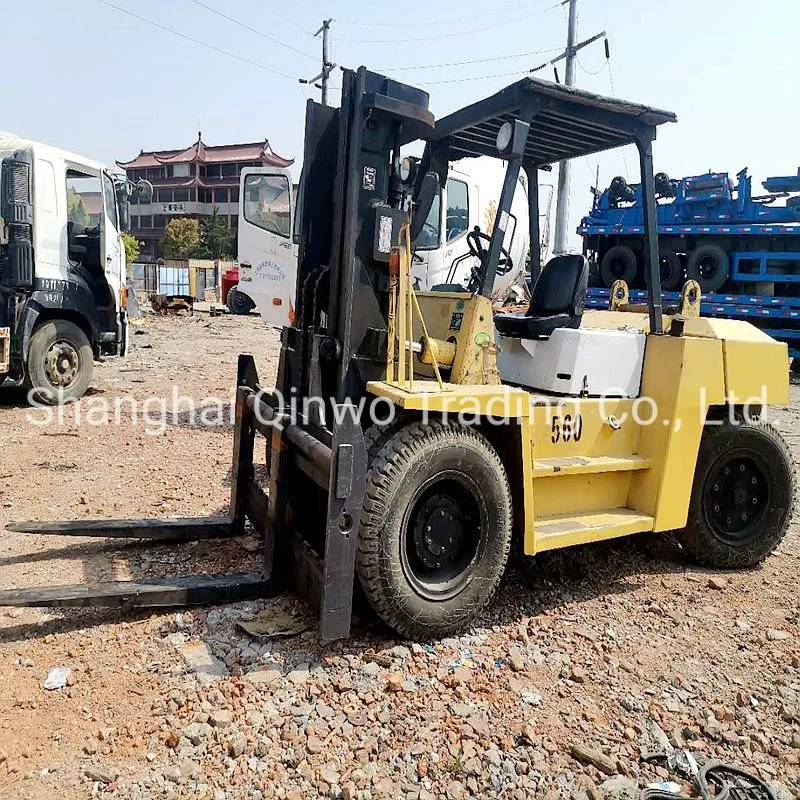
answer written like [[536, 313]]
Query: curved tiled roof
[[202, 153]]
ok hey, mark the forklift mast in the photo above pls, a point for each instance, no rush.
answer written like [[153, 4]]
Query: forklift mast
[[351, 217]]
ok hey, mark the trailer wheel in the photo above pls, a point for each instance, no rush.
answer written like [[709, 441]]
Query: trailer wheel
[[670, 269], [742, 495], [60, 362], [709, 266], [436, 528], [238, 302], [618, 263]]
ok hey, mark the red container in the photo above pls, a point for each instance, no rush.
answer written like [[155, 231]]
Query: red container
[[229, 279]]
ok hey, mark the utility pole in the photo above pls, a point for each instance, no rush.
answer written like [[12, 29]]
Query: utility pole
[[570, 56], [562, 197], [327, 64]]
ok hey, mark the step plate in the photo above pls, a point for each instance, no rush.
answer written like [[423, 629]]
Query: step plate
[[587, 465], [564, 530]]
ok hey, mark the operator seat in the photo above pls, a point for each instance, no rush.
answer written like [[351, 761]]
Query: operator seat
[[556, 300]]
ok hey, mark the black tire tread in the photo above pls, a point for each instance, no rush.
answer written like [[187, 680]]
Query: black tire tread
[[696, 537], [693, 259], [607, 277], [58, 328], [385, 462]]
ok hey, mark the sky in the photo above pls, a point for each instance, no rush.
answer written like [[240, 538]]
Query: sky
[[105, 84]]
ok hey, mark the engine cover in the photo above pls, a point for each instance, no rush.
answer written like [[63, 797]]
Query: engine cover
[[590, 362]]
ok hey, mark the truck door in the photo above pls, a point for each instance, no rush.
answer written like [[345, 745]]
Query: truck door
[[113, 250], [267, 257]]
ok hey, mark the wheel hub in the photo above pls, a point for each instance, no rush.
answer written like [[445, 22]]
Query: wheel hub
[[61, 364], [444, 531], [439, 531], [737, 495]]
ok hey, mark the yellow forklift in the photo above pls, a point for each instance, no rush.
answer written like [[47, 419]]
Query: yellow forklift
[[412, 436]]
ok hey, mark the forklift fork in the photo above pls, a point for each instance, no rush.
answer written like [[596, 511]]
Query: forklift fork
[[337, 463]]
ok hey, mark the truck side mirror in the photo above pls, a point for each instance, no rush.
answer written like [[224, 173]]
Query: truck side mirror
[[145, 190], [427, 194], [124, 206]]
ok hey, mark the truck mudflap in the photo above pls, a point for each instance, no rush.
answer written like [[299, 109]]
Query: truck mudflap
[[335, 460]]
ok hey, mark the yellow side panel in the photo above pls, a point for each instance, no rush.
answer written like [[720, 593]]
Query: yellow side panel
[[756, 372], [575, 494], [597, 437], [683, 376]]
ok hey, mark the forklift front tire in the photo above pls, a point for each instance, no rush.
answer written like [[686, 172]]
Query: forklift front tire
[[60, 362], [436, 528], [742, 495]]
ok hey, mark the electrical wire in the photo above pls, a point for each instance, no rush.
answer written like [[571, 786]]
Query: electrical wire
[[450, 21], [614, 95], [589, 72], [449, 35], [282, 17], [254, 30], [197, 41], [471, 61], [520, 73]]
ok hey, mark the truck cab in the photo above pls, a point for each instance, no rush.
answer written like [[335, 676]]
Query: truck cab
[[269, 219], [62, 267]]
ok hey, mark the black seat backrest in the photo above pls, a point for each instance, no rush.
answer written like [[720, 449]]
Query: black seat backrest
[[561, 287]]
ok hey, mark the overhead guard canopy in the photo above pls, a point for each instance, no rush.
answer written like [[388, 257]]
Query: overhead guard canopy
[[565, 122]]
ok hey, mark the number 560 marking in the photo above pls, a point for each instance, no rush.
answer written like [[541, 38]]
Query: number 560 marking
[[567, 429]]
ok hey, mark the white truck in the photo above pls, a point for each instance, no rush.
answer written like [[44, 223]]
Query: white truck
[[268, 248], [62, 267]]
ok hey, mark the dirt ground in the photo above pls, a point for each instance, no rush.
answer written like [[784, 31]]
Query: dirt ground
[[611, 645]]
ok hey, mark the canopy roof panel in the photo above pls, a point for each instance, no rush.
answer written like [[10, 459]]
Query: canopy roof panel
[[565, 122]]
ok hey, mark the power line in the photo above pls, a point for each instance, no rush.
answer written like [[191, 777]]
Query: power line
[[521, 73], [197, 41], [590, 72], [253, 30], [442, 35], [284, 18], [472, 61], [450, 21]]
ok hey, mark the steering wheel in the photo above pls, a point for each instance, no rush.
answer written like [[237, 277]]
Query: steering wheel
[[475, 242]]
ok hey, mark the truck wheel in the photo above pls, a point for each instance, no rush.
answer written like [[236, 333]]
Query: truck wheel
[[670, 269], [709, 266], [618, 263], [60, 362], [238, 302], [436, 528], [742, 495]]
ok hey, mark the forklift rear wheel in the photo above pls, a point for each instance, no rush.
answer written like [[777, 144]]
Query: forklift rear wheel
[[618, 263], [238, 302], [670, 269], [709, 266], [436, 528], [60, 362], [742, 495]]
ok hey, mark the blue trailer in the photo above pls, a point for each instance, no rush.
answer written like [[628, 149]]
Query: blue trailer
[[710, 229], [743, 250]]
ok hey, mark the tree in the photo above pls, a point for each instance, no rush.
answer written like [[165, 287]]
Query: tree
[[76, 208], [132, 247], [181, 238], [215, 236]]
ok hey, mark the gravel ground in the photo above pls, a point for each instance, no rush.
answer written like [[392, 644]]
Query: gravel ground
[[616, 647]]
